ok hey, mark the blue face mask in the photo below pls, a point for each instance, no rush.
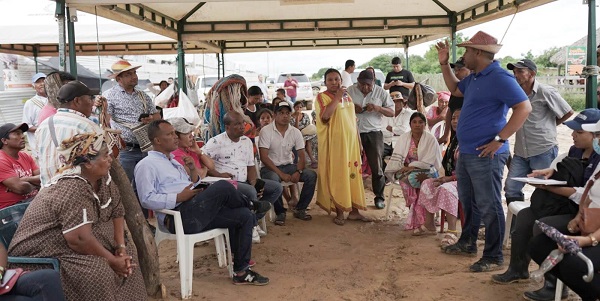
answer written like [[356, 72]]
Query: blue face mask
[[596, 145]]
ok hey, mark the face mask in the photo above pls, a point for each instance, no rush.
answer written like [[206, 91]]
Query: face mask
[[596, 145]]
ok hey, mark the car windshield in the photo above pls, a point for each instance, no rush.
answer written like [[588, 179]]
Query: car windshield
[[300, 77], [208, 82]]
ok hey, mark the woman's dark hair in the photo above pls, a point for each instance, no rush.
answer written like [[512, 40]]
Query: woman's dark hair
[[265, 111], [329, 71], [163, 81], [299, 103], [419, 115]]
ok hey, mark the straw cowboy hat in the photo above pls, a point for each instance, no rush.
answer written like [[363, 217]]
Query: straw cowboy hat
[[482, 41], [121, 66]]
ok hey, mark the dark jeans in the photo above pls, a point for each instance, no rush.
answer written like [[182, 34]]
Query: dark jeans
[[308, 177], [129, 158], [372, 143], [271, 193], [220, 206], [387, 151], [41, 285], [479, 187], [571, 268], [520, 235]]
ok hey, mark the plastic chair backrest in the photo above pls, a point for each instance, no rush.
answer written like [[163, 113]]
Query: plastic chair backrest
[[10, 217]]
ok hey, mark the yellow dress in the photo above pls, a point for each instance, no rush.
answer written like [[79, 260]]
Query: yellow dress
[[339, 180]]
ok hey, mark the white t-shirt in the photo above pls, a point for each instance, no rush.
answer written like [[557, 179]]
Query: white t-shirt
[[31, 111], [400, 124], [229, 156], [346, 79], [280, 147]]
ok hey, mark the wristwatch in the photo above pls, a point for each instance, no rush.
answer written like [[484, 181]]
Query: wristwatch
[[498, 139], [594, 240], [299, 171]]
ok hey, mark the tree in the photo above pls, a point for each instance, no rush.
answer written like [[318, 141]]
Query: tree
[[383, 61], [319, 75], [543, 60]]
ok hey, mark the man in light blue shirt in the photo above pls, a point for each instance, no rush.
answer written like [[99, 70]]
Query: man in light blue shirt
[[162, 183]]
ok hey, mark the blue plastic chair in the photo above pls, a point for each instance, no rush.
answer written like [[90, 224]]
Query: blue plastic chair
[[10, 217]]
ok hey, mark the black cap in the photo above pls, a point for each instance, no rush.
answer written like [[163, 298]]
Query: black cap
[[524, 63], [459, 63], [73, 89], [365, 76], [282, 105], [11, 127]]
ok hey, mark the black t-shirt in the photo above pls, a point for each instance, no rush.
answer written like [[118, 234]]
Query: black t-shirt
[[254, 115], [404, 75], [455, 103]]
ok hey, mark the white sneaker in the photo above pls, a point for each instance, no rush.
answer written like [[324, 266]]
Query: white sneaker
[[260, 231], [255, 236]]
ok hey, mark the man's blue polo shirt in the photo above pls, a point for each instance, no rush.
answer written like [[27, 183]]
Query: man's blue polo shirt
[[488, 96]]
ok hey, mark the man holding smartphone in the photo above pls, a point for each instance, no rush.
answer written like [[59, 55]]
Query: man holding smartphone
[[233, 155], [399, 79]]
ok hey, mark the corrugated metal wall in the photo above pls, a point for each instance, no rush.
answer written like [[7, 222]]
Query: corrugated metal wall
[[11, 105]]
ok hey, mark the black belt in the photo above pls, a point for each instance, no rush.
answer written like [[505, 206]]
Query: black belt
[[134, 145]]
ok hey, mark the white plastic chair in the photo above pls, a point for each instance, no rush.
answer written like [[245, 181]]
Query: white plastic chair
[[185, 249], [441, 125], [513, 209], [388, 204]]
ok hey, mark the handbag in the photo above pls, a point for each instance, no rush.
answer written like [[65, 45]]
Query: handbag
[[424, 92], [416, 177], [309, 130], [140, 131], [9, 279], [590, 217]]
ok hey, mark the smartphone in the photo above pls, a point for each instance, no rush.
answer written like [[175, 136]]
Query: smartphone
[[202, 185], [260, 184], [143, 115]]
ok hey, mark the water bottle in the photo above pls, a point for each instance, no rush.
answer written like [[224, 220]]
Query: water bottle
[[433, 172], [553, 259], [345, 100]]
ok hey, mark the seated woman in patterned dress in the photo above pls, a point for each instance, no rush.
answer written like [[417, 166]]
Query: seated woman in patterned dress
[[78, 219], [441, 193], [301, 121]]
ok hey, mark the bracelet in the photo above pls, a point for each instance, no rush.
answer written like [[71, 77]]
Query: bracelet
[[2, 269], [121, 246]]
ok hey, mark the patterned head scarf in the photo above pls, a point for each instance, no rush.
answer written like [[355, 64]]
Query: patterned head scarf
[[77, 150], [228, 94]]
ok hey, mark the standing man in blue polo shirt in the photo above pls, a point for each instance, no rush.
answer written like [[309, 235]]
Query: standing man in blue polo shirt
[[483, 132]]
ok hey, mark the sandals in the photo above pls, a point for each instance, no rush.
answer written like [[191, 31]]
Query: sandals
[[450, 238], [339, 221], [422, 231], [360, 218], [280, 219], [301, 214]]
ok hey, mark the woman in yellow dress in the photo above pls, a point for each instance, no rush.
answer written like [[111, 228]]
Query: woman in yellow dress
[[339, 181]]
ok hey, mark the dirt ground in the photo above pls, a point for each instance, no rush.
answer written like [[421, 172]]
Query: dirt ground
[[318, 260]]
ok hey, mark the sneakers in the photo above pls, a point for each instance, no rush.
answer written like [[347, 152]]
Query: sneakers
[[261, 232], [261, 207], [486, 265], [255, 235], [250, 277], [459, 249]]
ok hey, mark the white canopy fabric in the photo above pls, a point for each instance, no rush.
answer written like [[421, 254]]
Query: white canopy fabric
[[258, 25]]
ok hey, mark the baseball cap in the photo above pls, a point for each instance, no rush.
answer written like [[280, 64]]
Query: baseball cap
[[586, 120], [181, 125], [365, 76], [282, 105], [459, 63], [524, 63], [37, 76], [73, 89], [9, 128]]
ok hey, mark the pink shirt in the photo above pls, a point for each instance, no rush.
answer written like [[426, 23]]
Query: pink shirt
[[180, 153], [10, 168], [46, 112]]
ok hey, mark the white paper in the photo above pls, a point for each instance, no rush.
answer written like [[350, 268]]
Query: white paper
[[7, 275], [540, 181], [213, 179]]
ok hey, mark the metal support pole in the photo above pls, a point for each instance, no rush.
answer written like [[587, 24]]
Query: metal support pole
[[453, 45], [406, 53], [181, 59], [35, 57], [222, 62], [591, 83], [60, 18], [218, 65], [72, 47]]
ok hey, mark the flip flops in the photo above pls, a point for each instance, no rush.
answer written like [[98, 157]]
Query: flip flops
[[422, 231]]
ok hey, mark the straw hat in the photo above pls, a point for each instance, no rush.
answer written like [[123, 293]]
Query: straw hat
[[121, 66], [482, 41]]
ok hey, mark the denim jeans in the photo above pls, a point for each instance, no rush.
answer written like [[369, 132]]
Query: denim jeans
[[41, 285], [520, 167], [221, 206], [308, 177], [129, 158], [479, 188], [372, 143], [272, 192]]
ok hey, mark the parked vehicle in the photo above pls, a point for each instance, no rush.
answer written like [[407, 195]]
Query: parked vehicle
[[203, 85], [378, 74], [304, 90]]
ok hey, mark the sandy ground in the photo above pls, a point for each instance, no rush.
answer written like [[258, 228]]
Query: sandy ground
[[318, 260]]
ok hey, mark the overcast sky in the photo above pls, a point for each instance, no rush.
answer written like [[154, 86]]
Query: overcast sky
[[559, 23]]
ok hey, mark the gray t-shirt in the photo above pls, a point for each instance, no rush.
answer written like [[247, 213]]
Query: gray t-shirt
[[538, 133], [370, 121]]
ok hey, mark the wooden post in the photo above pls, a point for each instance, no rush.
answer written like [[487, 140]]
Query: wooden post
[[140, 232]]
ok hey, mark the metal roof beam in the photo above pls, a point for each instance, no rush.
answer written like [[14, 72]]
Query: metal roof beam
[[191, 12], [442, 6]]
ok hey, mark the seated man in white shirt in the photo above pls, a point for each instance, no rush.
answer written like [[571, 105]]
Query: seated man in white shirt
[[275, 145], [233, 155], [397, 125], [163, 183]]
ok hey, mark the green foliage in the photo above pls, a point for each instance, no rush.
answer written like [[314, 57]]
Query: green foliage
[[543, 60], [383, 61], [575, 100], [319, 75]]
